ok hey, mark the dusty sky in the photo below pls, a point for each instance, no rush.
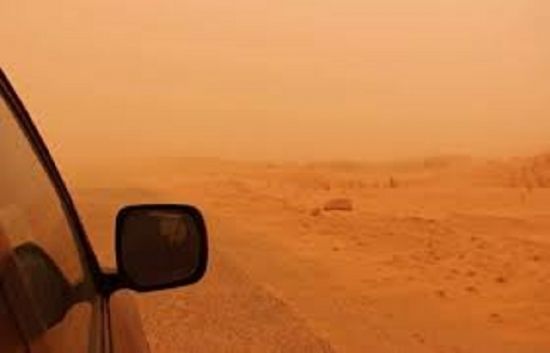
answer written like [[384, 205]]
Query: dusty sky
[[293, 79]]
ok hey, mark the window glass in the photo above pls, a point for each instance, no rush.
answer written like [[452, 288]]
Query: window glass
[[46, 282], [30, 210]]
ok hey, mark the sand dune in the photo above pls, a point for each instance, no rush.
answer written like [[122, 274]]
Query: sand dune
[[446, 254]]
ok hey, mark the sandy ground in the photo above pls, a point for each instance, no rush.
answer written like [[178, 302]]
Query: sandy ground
[[440, 255]]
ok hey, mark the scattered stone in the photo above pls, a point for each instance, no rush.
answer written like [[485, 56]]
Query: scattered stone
[[315, 212], [482, 246], [495, 317], [340, 204], [419, 338]]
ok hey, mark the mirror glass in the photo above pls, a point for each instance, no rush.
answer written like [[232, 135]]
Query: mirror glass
[[160, 245]]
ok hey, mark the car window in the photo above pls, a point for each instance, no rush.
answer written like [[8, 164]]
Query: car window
[[47, 284]]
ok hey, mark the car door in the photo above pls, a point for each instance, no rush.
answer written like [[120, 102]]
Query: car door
[[49, 278]]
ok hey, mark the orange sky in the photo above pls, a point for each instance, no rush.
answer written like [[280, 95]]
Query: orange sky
[[353, 79]]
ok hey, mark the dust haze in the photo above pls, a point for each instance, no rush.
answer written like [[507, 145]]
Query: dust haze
[[375, 174], [291, 80]]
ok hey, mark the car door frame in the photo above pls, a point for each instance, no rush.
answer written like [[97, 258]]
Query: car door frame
[[43, 155]]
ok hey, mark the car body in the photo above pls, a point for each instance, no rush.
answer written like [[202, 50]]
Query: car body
[[54, 295]]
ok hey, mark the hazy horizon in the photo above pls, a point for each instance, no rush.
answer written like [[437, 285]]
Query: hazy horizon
[[370, 80]]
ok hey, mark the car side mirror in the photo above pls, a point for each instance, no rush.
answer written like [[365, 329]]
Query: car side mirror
[[160, 247]]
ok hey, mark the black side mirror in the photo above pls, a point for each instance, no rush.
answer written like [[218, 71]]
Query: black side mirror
[[160, 247]]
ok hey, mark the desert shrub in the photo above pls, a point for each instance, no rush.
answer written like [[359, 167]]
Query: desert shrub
[[339, 204], [392, 183]]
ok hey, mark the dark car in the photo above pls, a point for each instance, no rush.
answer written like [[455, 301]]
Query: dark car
[[54, 296]]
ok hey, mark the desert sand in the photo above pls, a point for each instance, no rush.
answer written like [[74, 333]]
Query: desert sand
[[446, 254]]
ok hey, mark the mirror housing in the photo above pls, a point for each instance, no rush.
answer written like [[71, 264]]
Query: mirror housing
[[158, 247]]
